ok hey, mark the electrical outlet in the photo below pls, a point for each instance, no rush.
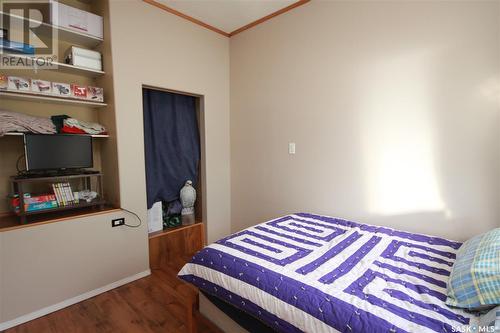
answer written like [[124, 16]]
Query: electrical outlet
[[118, 222]]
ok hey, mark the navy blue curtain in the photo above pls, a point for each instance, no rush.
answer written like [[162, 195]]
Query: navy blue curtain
[[172, 143]]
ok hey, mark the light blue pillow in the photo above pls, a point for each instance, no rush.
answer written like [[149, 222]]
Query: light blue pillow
[[475, 277]]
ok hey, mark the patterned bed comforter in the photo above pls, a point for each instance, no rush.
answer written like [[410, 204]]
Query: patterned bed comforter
[[310, 273]]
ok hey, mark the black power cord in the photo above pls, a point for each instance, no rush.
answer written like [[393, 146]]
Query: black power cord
[[19, 171], [137, 216]]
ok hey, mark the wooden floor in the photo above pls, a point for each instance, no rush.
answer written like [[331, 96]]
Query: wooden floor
[[141, 306]]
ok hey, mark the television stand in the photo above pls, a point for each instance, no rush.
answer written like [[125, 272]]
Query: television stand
[[24, 187], [56, 173]]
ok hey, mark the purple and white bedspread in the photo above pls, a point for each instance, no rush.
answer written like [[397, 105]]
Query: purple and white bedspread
[[310, 273]]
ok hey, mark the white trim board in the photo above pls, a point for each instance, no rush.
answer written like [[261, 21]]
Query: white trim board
[[58, 306]]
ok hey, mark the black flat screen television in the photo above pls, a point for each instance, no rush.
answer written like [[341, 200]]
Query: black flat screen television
[[57, 152]]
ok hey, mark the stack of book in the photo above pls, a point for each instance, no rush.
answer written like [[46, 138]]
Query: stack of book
[[64, 194], [33, 203], [39, 202]]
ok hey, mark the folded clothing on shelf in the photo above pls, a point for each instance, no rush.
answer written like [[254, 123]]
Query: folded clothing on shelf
[[59, 121], [66, 124], [19, 122], [23, 123], [75, 126]]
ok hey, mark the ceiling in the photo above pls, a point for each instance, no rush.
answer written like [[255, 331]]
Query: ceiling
[[227, 15]]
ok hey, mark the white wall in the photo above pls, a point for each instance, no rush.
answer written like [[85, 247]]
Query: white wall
[[49, 264], [394, 108], [166, 51]]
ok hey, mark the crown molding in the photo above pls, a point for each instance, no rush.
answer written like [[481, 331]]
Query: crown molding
[[186, 17], [219, 31], [268, 17]]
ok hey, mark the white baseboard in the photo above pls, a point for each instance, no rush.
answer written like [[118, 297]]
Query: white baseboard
[[49, 309]]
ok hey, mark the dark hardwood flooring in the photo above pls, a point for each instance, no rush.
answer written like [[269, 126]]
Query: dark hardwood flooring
[[144, 305]]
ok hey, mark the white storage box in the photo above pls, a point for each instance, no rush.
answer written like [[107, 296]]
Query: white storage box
[[155, 217], [79, 57], [75, 19]]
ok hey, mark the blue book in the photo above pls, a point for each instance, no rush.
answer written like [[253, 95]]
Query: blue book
[[10, 46], [40, 206]]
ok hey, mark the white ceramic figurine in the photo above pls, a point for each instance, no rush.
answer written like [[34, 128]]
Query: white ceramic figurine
[[188, 198]]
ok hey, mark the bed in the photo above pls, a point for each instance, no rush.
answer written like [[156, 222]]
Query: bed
[[312, 273]]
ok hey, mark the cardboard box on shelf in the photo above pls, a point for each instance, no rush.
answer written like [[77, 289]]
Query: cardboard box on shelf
[[61, 89], [41, 86], [40, 198], [4, 82], [78, 91], [16, 83], [95, 94]]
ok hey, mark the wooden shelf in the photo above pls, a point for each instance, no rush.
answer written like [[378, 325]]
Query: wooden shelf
[[19, 183], [91, 135], [172, 230], [70, 69], [70, 36], [49, 99], [68, 207], [54, 178], [9, 221], [57, 66]]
